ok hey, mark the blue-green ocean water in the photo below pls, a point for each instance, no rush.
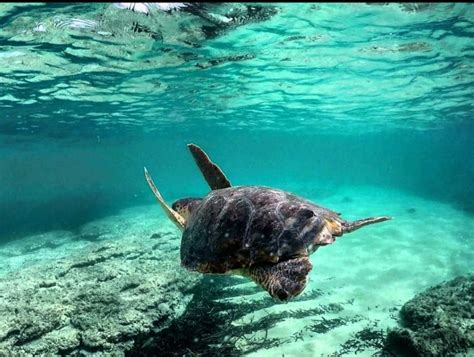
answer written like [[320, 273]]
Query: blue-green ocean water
[[311, 99], [334, 93]]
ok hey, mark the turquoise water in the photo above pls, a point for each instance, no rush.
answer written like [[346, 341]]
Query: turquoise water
[[363, 108]]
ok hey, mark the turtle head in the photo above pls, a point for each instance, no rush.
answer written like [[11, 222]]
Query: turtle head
[[186, 206]]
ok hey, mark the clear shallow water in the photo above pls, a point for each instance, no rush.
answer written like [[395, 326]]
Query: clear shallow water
[[377, 67], [364, 108]]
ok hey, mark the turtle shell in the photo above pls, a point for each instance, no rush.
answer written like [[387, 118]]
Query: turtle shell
[[241, 226]]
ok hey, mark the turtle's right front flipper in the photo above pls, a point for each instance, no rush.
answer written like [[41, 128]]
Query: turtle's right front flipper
[[211, 172], [348, 227], [179, 221]]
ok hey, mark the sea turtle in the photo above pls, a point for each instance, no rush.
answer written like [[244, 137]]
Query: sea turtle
[[259, 232]]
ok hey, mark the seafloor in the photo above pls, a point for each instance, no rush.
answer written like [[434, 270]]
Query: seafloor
[[116, 285]]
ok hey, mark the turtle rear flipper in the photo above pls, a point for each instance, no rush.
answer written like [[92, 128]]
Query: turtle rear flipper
[[176, 218], [211, 172], [283, 280]]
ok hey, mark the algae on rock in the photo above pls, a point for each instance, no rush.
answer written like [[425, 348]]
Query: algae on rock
[[437, 322], [97, 300]]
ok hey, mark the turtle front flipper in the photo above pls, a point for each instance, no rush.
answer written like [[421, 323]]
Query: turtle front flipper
[[352, 226], [211, 172], [172, 215], [283, 280]]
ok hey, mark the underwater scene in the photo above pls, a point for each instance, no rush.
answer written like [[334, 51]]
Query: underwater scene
[[237, 179]]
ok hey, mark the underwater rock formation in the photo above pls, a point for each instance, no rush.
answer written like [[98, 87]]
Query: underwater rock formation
[[95, 301], [437, 322]]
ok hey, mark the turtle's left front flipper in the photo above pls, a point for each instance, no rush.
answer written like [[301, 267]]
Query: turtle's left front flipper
[[179, 221]]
